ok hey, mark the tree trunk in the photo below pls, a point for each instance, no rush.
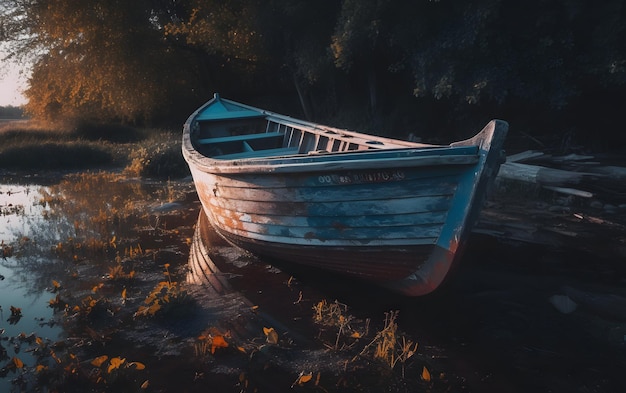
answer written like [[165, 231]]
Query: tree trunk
[[304, 102], [373, 94]]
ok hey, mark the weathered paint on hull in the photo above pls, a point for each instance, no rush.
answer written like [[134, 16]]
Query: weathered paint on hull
[[385, 234], [395, 216]]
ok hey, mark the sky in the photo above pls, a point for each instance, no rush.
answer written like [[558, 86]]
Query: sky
[[13, 78], [12, 85]]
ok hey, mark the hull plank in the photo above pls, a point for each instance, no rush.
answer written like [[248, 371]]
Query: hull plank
[[393, 212]]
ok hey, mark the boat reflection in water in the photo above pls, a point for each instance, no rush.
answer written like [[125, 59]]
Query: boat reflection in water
[[202, 269]]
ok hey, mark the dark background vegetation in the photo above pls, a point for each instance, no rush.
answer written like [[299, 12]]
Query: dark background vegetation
[[11, 112], [555, 69]]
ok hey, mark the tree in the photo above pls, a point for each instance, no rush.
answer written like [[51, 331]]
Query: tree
[[296, 34], [268, 43], [136, 61], [360, 42], [98, 60]]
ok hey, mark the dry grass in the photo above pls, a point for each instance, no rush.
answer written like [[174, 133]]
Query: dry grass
[[30, 145]]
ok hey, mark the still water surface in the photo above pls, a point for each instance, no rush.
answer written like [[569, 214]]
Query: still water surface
[[65, 237], [492, 328], [22, 283]]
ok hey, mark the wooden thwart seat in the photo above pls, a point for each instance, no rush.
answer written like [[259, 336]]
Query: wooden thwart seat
[[248, 146], [281, 151], [236, 138]]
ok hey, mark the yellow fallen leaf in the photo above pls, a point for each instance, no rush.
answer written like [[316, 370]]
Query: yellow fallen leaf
[[55, 357], [137, 365], [304, 378], [18, 363], [56, 284], [356, 335], [425, 374], [40, 368], [115, 363], [97, 362], [154, 308], [218, 342], [145, 384], [124, 293], [271, 335]]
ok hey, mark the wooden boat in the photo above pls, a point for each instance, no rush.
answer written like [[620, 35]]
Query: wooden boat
[[394, 212]]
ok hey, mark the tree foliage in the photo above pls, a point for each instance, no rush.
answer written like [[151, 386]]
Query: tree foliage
[[11, 112], [282, 42], [97, 60], [136, 61]]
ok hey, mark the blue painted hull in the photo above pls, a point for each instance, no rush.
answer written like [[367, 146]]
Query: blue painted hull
[[396, 214]]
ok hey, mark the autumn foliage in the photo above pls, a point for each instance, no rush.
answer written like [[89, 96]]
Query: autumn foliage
[[145, 61]]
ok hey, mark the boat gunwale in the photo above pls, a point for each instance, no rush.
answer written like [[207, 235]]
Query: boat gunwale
[[319, 161]]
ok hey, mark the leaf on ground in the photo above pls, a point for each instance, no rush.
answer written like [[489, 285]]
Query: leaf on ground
[[97, 362], [425, 374], [154, 308], [271, 335], [18, 363], [115, 364], [304, 378], [218, 342], [137, 365]]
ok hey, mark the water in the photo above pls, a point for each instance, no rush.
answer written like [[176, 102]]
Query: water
[[108, 242], [61, 242], [20, 285]]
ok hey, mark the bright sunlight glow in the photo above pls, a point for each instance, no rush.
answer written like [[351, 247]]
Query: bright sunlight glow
[[13, 78], [12, 85]]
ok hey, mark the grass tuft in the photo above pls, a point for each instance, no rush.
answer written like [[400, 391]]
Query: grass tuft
[[30, 145]]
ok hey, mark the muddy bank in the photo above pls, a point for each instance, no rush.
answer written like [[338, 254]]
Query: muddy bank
[[537, 304]]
